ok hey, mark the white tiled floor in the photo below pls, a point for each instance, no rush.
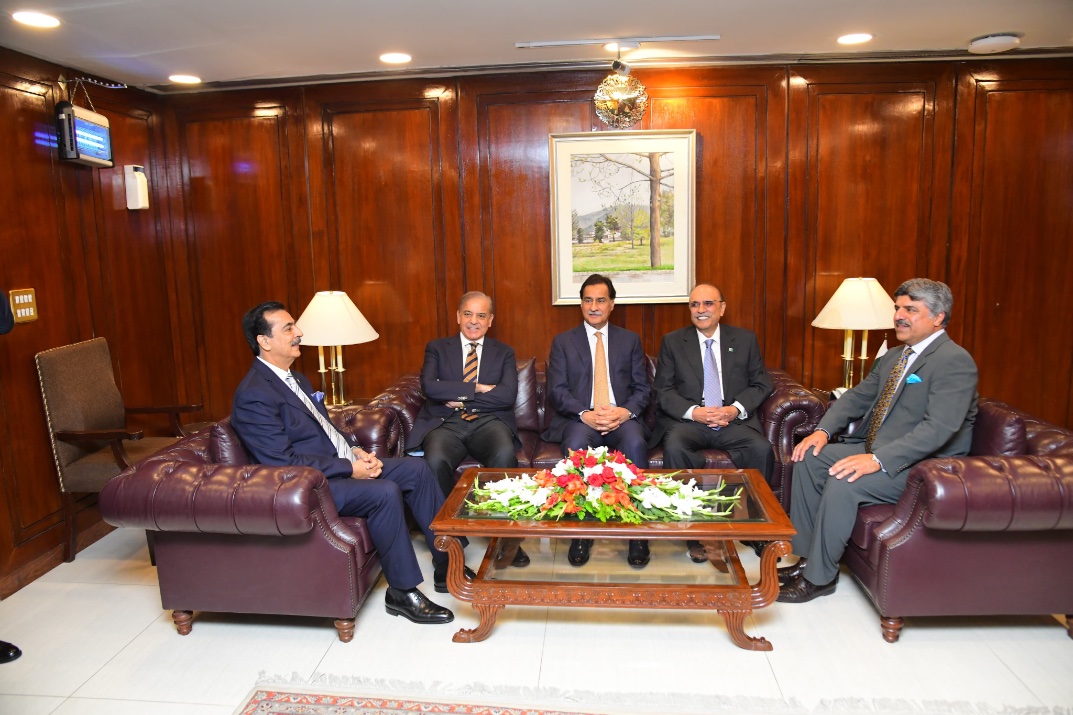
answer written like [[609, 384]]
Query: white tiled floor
[[95, 641]]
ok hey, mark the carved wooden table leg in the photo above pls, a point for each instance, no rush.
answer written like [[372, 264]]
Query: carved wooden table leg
[[489, 612], [892, 628], [345, 626], [457, 583], [735, 621], [183, 621], [766, 590]]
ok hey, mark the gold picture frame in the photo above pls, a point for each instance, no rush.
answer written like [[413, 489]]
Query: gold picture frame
[[603, 207]]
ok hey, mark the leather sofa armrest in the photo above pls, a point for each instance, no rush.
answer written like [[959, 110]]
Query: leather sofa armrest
[[216, 498], [377, 429], [993, 494], [790, 413]]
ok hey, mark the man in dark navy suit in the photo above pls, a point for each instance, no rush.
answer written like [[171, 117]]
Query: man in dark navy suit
[[8, 651], [281, 422], [470, 383], [591, 412]]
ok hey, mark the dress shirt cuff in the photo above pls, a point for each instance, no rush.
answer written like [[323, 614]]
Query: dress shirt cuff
[[742, 414], [689, 413]]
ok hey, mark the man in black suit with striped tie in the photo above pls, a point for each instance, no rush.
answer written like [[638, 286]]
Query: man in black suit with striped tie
[[470, 383]]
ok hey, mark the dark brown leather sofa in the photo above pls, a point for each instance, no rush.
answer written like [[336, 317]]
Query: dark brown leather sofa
[[234, 537], [791, 412], [983, 535]]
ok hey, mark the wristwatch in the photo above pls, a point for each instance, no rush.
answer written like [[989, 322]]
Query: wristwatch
[[633, 416]]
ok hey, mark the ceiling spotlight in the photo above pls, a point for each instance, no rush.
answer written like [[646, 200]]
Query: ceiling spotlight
[[620, 67], [35, 19], [395, 58], [990, 44], [621, 46], [185, 79], [855, 38]]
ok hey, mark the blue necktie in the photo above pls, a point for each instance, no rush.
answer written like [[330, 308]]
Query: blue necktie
[[713, 391]]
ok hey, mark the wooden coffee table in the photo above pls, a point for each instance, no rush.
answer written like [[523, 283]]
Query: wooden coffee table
[[671, 580]]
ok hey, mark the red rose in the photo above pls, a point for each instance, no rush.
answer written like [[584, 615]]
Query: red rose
[[563, 479], [596, 480], [590, 461]]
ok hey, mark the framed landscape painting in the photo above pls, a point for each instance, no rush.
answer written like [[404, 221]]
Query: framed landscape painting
[[622, 205]]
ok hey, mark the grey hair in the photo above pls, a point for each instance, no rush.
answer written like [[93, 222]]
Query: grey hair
[[476, 294], [935, 295]]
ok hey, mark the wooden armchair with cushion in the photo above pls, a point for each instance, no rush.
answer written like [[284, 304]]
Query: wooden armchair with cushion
[[87, 424]]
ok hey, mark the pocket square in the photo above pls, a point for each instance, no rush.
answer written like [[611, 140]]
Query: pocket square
[[912, 379], [319, 396]]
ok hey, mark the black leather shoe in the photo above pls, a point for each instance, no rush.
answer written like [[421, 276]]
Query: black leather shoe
[[789, 573], [521, 559], [8, 652], [439, 578], [579, 552], [638, 556], [413, 606], [801, 590], [697, 553]]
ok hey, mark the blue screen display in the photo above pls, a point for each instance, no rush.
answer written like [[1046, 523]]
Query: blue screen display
[[92, 139]]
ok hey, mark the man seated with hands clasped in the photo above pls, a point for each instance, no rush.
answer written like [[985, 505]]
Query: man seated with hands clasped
[[281, 423], [917, 402], [710, 382]]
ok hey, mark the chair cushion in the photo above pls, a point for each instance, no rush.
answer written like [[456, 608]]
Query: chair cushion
[[224, 445], [998, 431], [526, 413]]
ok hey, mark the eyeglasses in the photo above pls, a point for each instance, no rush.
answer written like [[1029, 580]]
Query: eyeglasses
[[706, 303]]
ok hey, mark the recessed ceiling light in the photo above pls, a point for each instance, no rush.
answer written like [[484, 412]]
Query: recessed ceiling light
[[623, 46], [855, 38], [395, 58], [35, 19], [185, 79]]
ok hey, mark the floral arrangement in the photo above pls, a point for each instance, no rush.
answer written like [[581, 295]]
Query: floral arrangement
[[604, 484]]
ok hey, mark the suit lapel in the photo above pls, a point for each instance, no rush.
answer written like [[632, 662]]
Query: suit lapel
[[274, 383], [488, 358], [691, 350], [917, 364], [455, 361], [584, 357]]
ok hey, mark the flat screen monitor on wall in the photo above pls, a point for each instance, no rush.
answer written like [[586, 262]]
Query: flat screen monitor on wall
[[83, 136]]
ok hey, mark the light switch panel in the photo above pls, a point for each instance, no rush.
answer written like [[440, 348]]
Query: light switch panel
[[24, 305]]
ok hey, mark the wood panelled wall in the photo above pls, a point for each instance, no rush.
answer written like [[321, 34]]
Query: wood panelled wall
[[407, 193]]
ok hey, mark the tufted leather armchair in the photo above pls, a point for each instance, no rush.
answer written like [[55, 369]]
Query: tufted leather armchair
[[986, 534], [790, 413], [231, 536]]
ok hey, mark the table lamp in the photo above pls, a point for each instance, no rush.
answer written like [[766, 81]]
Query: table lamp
[[332, 320], [858, 304]]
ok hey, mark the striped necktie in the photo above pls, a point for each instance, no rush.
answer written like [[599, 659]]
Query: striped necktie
[[713, 389], [885, 398], [342, 447], [469, 374]]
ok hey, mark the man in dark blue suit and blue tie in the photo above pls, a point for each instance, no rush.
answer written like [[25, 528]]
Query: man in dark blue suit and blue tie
[[281, 423], [598, 388]]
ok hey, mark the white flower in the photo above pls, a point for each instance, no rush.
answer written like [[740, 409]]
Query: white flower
[[654, 497], [538, 497], [560, 468], [593, 494]]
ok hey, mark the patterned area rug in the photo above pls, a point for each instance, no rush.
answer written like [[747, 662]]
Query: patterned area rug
[[283, 702]]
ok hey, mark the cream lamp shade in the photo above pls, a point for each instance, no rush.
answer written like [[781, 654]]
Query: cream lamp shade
[[331, 318], [858, 304]]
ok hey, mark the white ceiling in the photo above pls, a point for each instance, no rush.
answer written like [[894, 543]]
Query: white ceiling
[[141, 42]]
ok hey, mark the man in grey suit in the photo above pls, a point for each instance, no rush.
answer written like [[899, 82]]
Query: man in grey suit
[[917, 402]]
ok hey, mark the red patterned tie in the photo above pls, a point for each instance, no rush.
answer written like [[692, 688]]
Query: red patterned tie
[[469, 374], [883, 404]]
